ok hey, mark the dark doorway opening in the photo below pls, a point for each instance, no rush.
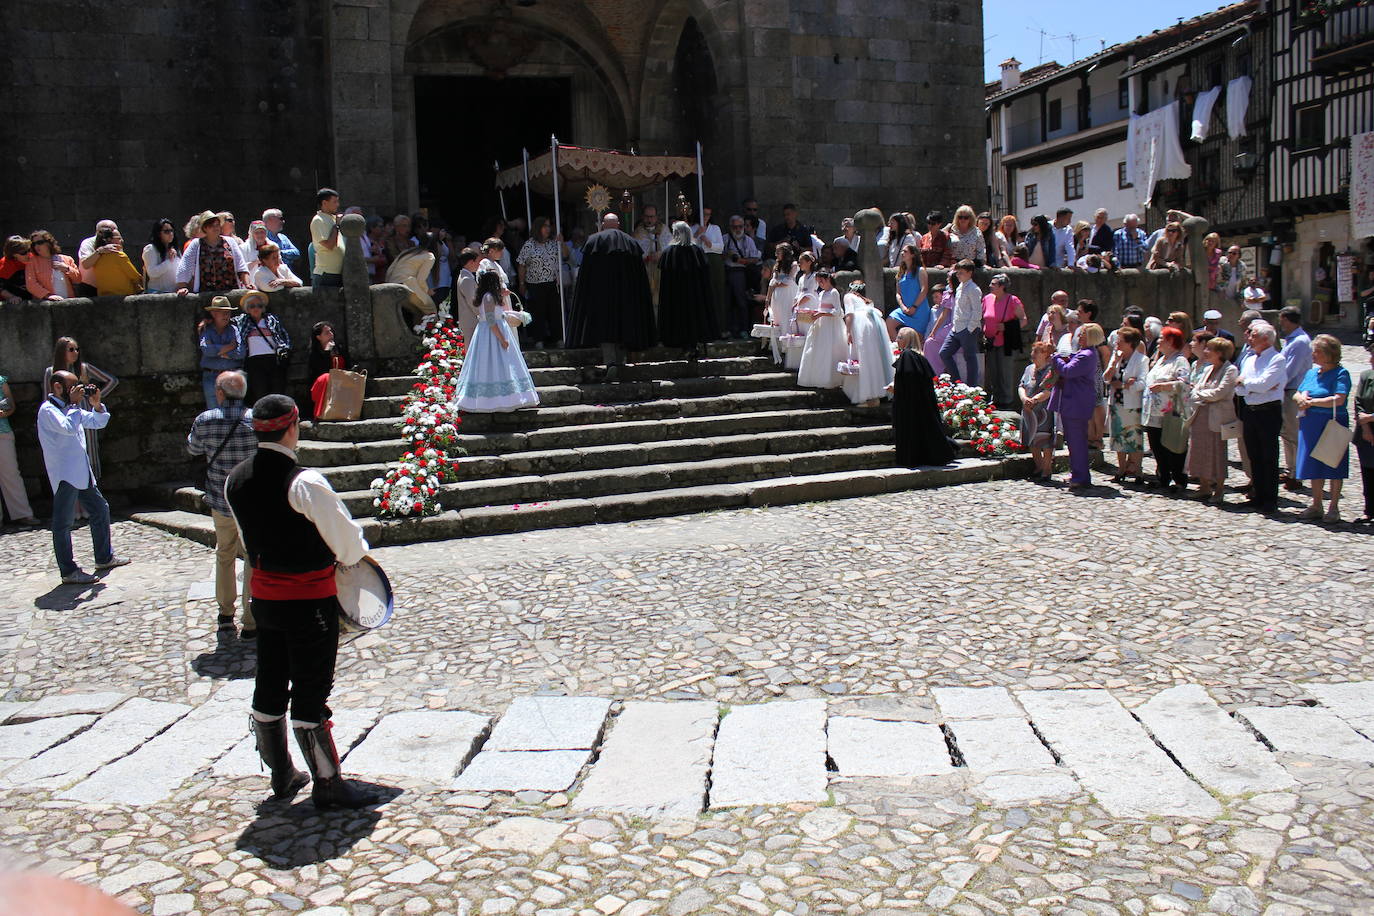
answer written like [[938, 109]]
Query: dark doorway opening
[[463, 124]]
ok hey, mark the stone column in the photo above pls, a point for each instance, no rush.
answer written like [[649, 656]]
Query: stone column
[[870, 225], [357, 290]]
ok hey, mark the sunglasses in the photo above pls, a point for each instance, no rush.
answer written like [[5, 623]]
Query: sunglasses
[[73, 349]]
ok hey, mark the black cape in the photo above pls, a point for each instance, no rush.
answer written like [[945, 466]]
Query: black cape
[[612, 302], [685, 304], [916, 422]]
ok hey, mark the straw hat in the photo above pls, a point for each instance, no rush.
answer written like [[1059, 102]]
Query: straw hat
[[219, 304], [251, 297]]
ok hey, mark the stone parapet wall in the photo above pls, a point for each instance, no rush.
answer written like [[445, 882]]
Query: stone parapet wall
[[149, 344]]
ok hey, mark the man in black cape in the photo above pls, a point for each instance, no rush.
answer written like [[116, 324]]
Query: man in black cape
[[916, 421], [612, 306], [686, 316]]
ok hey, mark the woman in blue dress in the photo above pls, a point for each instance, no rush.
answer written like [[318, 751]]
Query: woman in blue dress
[[1325, 388], [494, 377], [913, 304]]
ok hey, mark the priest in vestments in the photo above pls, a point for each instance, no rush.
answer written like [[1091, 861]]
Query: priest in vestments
[[916, 422], [612, 307], [686, 308]]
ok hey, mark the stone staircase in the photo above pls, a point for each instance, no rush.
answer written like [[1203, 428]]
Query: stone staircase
[[672, 437]]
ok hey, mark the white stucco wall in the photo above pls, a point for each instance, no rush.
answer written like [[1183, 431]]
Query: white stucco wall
[[1099, 187]]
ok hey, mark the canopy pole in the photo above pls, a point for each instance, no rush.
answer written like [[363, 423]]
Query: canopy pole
[[496, 166], [558, 226], [529, 209], [701, 195]]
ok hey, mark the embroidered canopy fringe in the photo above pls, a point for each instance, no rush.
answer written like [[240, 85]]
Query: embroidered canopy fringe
[[580, 168]]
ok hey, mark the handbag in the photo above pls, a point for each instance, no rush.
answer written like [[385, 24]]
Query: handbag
[[203, 481], [1334, 445], [343, 398], [1230, 430], [1174, 433]]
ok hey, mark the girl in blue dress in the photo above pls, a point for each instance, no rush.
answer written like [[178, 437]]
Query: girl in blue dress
[[494, 377], [913, 304], [1324, 390]]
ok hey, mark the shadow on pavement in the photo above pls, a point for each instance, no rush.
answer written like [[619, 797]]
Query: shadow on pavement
[[69, 597], [293, 835], [233, 658]]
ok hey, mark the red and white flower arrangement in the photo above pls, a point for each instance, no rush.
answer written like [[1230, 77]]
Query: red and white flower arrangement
[[410, 487], [968, 413]]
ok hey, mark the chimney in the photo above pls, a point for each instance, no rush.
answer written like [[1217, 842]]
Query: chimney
[[1011, 73]]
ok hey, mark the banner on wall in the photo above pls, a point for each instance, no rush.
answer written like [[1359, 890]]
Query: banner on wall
[[1362, 185], [1153, 152], [1345, 278]]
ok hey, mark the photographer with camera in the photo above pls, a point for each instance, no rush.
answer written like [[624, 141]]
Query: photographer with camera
[[61, 433], [269, 347]]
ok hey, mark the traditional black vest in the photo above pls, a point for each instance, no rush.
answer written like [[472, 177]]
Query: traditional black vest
[[276, 537]]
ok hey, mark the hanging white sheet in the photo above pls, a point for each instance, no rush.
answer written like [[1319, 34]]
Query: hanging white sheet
[[1202, 112], [1237, 104], [1153, 152]]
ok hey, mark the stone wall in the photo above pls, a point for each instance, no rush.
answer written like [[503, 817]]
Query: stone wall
[[135, 111], [149, 344]]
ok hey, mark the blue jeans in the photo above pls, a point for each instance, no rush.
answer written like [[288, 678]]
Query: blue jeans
[[63, 508], [967, 343], [207, 386]]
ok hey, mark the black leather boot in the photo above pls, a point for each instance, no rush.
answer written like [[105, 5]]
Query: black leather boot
[[275, 752], [330, 789]]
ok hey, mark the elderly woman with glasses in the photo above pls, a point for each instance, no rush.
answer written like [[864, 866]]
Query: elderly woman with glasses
[[212, 263], [266, 345], [965, 241], [51, 275]]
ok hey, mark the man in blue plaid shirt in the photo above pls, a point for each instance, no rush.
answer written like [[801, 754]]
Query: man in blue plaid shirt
[[1128, 243], [224, 435]]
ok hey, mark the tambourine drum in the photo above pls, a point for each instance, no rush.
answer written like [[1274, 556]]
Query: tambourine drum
[[365, 598]]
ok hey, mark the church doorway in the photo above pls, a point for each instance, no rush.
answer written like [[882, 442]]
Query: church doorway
[[464, 124]]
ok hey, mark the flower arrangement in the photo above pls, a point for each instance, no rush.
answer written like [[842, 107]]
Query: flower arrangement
[[429, 426], [968, 413]]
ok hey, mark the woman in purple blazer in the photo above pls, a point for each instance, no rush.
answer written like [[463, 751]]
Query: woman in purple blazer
[[1074, 399]]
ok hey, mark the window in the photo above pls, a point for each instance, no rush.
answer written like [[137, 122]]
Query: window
[[1309, 127], [1216, 72], [1123, 93], [1056, 115], [1032, 195], [1243, 62], [1073, 181], [1122, 179], [1209, 172]]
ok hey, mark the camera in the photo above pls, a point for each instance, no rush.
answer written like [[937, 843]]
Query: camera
[[90, 390]]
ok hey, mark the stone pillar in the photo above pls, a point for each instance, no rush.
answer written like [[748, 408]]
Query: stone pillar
[[870, 225], [357, 290], [1194, 229], [362, 110]]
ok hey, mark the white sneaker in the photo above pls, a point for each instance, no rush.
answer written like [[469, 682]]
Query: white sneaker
[[114, 561], [80, 577]]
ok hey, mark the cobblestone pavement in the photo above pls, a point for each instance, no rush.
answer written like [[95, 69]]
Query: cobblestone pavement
[[869, 604]]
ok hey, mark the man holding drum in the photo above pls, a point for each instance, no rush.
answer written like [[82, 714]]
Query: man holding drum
[[294, 530]]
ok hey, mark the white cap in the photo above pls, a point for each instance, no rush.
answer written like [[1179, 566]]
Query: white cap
[[1211, 315]]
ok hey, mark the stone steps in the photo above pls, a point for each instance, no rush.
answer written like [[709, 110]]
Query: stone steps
[[1175, 756]]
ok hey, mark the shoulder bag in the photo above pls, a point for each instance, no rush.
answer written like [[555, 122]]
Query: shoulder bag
[[1334, 445], [204, 481]]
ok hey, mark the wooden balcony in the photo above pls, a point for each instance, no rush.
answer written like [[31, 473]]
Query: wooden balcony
[[1347, 40]]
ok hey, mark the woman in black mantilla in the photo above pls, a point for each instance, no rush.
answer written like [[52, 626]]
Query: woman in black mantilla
[[916, 422], [684, 306]]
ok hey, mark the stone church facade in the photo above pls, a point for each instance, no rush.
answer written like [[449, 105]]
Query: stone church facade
[[137, 111]]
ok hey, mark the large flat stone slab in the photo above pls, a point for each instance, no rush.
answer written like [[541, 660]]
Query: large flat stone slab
[[1008, 789], [1000, 746], [770, 754], [520, 771], [423, 744], [975, 703], [111, 737], [654, 762], [1217, 750], [154, 771], [349, 727], [1311, 731], [549, 724], [871, 747], [29, 739], [1113, 757], [70, 704], [1353, 702], [11, 710]]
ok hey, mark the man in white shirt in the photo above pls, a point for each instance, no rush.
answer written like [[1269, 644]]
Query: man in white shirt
[[1260, 387], [966, 326], [751, 208], [88, 254], [62, 433], [708, 237], [1297, 354], [324, 235], [1063, 238]]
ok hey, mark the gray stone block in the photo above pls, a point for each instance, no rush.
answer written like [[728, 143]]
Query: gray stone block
[[520, 771], [1006, 789], [1353, 702], [1309, 731], [19, 742], [654, 763], [549, 724], [9, 711], [770, 754], [976, 703], [1215, 748], [1000, 745], [424, 745], [870, 747], [111, 737]]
